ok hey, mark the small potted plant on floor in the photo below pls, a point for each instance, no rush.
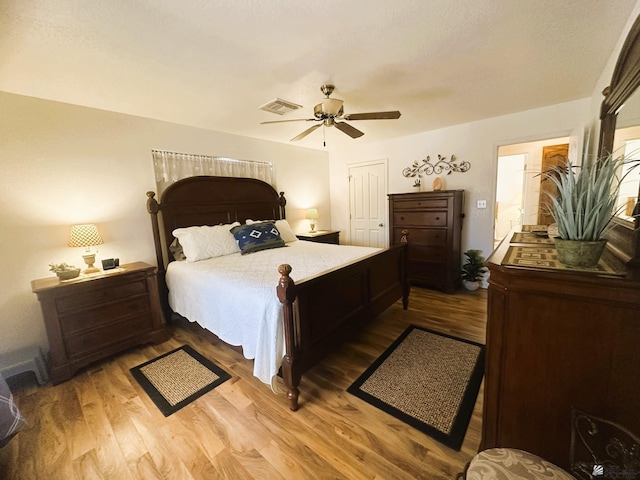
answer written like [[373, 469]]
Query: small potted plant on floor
[[473, 269]]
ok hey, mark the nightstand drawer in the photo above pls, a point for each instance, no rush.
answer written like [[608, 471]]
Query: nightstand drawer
[[103, 314], [427, 219], [100, 338], [321, 236], [106, 294]]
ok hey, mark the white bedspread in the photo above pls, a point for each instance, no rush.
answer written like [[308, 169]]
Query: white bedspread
[[235, 296]]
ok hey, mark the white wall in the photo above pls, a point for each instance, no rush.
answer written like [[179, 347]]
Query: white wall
[[63, 164], [476, 143]]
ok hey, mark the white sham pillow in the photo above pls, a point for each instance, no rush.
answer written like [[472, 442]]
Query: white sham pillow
[[286, 232], [200, 243]]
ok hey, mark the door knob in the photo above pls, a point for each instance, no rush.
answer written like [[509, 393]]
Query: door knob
[[380, 225]]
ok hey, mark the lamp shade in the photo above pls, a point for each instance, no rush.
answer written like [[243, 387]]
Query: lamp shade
[[312, 214], [86, 235]]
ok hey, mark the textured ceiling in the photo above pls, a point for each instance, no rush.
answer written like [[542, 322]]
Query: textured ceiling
[[212, 63]]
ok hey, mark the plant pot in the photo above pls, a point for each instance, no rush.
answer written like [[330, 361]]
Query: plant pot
[[579, 253], [470, 285]]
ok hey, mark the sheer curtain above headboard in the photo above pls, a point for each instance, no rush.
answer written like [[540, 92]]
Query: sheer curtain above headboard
[[171, 167]]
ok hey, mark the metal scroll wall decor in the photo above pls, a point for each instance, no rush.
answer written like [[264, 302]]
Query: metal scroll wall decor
[[443, 165]]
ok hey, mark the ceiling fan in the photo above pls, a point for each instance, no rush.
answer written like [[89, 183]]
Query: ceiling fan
[[330, 111]]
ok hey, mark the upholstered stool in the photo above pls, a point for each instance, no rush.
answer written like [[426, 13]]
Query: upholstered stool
[[512, 464], [24, 360]]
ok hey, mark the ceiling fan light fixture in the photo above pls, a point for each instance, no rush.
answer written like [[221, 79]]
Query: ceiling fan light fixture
[[329, 106]]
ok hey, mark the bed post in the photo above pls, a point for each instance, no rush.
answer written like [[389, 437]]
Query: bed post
[[406, 286], [153, 208], [286, 295]]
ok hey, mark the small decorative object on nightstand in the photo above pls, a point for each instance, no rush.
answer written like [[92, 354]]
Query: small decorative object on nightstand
[[90, 318], [321, 236], [64, 271]]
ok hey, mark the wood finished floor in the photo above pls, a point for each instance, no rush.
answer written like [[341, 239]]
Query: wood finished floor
[[101, 425]]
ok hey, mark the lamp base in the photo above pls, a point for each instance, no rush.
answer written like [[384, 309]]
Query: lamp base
[[90, 259]]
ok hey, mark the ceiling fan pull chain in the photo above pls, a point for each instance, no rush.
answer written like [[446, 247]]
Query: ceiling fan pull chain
[[324, 136]]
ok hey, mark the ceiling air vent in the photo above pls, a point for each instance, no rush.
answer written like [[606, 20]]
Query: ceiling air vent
[[279, 106]]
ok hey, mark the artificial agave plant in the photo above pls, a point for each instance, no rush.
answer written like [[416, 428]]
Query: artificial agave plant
[[586, 199]]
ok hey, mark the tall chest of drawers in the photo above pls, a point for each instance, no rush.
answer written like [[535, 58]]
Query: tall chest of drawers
[[433, 225], [88, 319]]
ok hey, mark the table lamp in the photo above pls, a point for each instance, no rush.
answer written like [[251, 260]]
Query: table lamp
[[312, 216], [87, 236]]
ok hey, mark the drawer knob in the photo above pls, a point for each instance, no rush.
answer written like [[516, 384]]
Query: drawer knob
[[437, 218]]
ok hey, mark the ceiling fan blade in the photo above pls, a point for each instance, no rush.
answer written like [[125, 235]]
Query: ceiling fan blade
[[373, 116], [348, 129], [292, 120], [306, 132]]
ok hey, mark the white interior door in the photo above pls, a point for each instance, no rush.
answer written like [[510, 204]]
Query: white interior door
[[368, 204]]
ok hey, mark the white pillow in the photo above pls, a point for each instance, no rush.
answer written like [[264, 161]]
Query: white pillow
[[200, 243], [286, 232]]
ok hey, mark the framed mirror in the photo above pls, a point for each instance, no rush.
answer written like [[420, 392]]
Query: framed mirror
[[620, 134]]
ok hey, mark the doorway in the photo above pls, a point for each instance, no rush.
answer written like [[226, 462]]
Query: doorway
[[520, 197], [368, 204]]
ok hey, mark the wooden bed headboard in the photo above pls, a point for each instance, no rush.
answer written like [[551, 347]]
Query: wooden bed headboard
[[206, 200]]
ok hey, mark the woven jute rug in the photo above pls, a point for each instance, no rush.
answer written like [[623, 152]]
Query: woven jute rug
[[428, 380], [177, 378]]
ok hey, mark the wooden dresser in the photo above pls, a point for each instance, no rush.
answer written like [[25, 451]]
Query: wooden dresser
[[433, 221], [92, 317], [558, 339]]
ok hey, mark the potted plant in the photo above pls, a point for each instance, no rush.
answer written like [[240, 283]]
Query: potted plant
[[64, 271], [473, 269], [583, 207]]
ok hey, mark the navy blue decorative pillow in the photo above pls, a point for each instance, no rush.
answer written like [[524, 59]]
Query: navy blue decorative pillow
[[257, 236]]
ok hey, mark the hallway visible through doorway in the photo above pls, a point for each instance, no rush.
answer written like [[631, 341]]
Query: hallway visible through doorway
[[520, 197]]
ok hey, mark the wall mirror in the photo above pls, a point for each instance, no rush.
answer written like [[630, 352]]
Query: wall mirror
[[620, 134]]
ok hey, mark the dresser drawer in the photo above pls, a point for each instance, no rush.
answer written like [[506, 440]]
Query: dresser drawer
[[100, 338], [419, 253], [426, 219], [428, 272], [421, 204], [422, 236], [108, 293], [103, 314]]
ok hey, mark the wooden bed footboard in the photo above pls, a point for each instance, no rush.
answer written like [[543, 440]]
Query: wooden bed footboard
[[322, 311]]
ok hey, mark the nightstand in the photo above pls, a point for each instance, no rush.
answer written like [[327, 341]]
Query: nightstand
[[94, 316], [321, 236]]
